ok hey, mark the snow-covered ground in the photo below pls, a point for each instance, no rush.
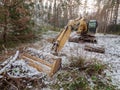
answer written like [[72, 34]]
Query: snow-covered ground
[[111, 57]]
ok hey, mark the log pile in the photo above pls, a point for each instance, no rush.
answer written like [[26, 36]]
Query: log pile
[[92, 48]]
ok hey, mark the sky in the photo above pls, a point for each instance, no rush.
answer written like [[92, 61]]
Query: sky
[[90, 6]]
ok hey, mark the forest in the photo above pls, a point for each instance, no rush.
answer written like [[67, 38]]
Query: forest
[[43, 46]]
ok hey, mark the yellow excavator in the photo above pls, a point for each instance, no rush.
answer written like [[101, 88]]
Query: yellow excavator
[[64, 35], [41, 62]]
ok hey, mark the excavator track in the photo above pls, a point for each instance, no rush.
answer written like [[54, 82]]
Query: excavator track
[[84, 38]]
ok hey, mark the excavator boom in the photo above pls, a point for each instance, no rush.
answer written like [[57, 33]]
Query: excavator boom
[[61, 39]]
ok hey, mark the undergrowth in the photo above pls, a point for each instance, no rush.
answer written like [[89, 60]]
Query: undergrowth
[[83, 75]]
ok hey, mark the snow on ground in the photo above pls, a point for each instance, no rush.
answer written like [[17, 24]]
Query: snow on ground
[[111, 43], [20, 68]]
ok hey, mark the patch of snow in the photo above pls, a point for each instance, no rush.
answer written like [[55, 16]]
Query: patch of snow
[[21, 69], [111, 43], [49, 34]]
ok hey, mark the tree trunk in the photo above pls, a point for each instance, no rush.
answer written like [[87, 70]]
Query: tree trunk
[[116, 11], [55, 14]]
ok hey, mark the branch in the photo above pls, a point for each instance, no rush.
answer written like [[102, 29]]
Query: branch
[[11, 84], [5, 49]]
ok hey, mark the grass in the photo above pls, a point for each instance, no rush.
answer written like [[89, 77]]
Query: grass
[[80, 74], [8, 83], [70, 80]]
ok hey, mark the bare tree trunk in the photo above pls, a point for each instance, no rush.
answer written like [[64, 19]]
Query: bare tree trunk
[[111, 14], [116, 11], [54, 14], [85, 7]]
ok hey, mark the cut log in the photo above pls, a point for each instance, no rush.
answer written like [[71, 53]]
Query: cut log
[[94, 48]]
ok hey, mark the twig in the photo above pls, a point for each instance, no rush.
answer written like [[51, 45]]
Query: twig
[[6, 52], [6, 61], [11, 84]]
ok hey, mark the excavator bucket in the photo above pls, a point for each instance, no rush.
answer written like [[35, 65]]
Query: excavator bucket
[[49, 67]]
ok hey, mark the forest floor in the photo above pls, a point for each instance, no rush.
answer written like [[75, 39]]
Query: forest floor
[[111, 57]]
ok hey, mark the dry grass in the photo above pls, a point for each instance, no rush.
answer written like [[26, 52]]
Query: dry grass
[[23, 83], [80, 74]]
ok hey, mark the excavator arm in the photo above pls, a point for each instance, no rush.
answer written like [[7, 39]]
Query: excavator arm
[[61, 39], [63, 36]]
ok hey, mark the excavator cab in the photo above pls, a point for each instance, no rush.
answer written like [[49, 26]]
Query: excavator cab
[[92, 25]]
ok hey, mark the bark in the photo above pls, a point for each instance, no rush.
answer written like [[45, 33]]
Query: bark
[[94, 49]]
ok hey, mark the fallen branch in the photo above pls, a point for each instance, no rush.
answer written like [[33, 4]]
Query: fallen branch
[[6, 61], [6, 51], [11, 84]]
